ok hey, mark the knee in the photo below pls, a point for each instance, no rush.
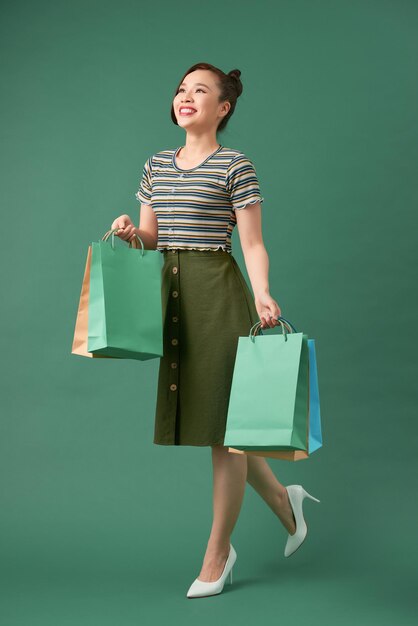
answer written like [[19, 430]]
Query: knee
[[222, 452]]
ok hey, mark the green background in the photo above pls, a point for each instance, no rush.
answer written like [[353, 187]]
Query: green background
[[98, 524]]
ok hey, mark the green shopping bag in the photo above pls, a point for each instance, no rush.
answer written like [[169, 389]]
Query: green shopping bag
[[125, 305], [269, 399]]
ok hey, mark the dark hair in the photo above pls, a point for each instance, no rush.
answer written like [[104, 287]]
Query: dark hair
[[230, 86]]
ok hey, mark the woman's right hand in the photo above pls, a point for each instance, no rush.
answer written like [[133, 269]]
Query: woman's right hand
[[126, 227]]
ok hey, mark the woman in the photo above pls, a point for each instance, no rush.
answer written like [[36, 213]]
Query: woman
[[191, 199]]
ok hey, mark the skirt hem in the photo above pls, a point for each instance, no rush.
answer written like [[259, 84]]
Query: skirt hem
[[199, 445]]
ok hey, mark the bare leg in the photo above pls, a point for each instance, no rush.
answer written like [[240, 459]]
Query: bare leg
[[261, 477], [229, 480]]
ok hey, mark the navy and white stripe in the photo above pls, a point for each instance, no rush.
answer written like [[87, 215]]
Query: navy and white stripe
[[195, 208]]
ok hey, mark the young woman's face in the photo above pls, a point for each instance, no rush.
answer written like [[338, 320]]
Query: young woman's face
[[200, 93]]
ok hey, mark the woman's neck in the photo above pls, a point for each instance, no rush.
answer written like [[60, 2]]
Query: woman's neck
[[197, 148]]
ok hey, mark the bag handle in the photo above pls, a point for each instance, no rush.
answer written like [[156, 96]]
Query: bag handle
[[285, 325], [287, 321], [112, 232]]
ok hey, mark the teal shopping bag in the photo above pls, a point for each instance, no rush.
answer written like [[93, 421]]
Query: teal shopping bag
[[314, 427], [269, 398], [315, 432], [125, 304]]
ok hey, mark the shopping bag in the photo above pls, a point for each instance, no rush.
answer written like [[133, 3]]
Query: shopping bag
[[80, 332], [268, 404], [125, 301], [313, 432], [314, 426]]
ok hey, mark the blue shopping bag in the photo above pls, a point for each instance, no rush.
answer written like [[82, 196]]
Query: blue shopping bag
[[315, 431]]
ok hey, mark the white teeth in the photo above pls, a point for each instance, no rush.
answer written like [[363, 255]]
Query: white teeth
[[187, 111]]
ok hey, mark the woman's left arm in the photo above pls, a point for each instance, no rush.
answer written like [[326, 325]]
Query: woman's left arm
[[257, 262]]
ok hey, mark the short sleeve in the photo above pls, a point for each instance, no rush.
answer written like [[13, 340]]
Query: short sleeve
[[242, 182], [145, 186]]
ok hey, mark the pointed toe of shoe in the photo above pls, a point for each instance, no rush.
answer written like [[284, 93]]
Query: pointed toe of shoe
[[191, 590], [200, 589], [196, 590], [295, 541]]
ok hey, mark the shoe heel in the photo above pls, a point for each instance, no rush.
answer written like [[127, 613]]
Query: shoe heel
[[230, 576], [308, 495]]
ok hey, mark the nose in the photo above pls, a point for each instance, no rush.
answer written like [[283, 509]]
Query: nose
[[184, 96]]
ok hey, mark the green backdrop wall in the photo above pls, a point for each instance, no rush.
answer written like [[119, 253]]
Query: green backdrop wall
[[98, 524]]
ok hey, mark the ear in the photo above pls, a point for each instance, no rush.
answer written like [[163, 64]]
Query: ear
[[226, 107]]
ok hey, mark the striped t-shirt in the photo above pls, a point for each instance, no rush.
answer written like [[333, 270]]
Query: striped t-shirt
[[195, 208]]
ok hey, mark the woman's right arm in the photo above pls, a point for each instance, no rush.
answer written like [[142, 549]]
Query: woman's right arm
[[147, 230]]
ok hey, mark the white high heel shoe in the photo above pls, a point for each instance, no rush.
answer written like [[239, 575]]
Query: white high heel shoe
[[296, 496], [200, 588]]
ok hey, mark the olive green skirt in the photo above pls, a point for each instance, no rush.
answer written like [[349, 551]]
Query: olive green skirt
[[207, 305]]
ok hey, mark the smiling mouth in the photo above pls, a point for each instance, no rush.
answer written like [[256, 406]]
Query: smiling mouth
[[187, 112]]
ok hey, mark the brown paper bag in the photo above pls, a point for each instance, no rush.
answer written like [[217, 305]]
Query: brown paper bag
[[81, 330], [81, 326]]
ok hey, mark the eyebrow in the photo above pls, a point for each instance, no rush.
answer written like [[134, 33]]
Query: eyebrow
[[203, 84]]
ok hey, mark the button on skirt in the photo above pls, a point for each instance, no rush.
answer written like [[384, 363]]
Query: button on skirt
[[207, 306]]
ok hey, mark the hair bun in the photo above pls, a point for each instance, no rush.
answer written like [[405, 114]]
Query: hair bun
[[235, 74]]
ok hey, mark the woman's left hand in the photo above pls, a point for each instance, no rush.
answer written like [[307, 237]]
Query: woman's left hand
[[268, 310]]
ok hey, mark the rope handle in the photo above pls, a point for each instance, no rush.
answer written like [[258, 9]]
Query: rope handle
[[285, 325], [112, 232]]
